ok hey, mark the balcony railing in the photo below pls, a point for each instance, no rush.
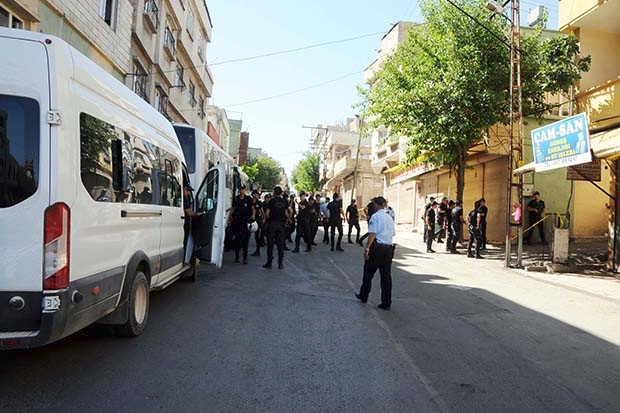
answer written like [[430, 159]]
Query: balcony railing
[[151, 13], [170, 44], [601, 103]]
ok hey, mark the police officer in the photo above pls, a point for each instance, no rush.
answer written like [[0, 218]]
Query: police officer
[[536, 212], [431, 219], [277, 214], [442, 210], [354, 220], [378, 254], [258, 208], [303, 223], [242, 214], [325, 219], [448, 225], [473, 219], [316, 218], [456, 221], [426, 208], [336, 214], [291, 224], [484, 212]]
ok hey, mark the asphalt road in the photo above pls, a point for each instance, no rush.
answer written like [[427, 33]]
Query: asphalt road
[[245, 339]]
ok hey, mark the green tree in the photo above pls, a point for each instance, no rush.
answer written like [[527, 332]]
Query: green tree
[[448, 83], [263, 170], [306, 175]]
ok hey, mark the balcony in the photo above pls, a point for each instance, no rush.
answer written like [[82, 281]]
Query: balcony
[[151, 15], [601, 104], [591, 14], [170, 45]]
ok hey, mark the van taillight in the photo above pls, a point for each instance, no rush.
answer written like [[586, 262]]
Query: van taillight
[[56, 252]]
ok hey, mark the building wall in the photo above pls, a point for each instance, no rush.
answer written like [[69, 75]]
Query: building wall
[[235, 136], [244, 142], [605, 65], [78, 23]]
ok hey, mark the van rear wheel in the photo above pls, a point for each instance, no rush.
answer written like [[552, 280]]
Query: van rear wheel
[[138, 306]]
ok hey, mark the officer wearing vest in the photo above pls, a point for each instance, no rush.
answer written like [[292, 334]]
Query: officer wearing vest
[[378, 254], [276, 214]]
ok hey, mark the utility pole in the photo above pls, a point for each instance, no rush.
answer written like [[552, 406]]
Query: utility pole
[[515, 150], [360, 128]]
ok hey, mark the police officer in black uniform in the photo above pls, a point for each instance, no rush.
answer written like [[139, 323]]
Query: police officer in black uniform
[[335, 221], [456, 221], [473, 219], [484, 212], [258, 208], [303, 223], [276, 214], [315, 220], [353, 217], [242, 214], [536, 211], [431, 218], [448, 225]]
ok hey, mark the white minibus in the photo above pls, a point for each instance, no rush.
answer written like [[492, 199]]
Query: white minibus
[[91, 204]]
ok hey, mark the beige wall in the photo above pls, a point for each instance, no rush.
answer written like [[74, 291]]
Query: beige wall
[[605, 51]]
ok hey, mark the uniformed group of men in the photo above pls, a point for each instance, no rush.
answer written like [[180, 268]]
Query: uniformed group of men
[[280, 215], [447, 218]]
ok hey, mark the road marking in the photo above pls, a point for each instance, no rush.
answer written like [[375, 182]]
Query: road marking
[[434, 394]]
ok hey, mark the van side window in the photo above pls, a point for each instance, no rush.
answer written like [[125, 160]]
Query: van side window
[[19, 149], [117, 166]]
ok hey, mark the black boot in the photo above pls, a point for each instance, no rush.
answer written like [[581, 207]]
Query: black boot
[[267, 265]]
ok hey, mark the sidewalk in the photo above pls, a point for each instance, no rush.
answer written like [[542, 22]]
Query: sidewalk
[[593, 279]]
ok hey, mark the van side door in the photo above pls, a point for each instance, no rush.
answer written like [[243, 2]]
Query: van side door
[[208, 230]]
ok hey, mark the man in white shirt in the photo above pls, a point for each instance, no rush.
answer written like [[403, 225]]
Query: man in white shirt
[[378, 254]]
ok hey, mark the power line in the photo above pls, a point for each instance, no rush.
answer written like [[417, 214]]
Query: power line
[[297, 49], [504, 41], [292, 92]]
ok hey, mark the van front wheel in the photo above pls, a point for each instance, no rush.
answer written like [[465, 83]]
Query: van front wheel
[[138, 306]]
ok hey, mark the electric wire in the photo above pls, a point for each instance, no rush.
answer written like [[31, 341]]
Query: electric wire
[[292, 92]]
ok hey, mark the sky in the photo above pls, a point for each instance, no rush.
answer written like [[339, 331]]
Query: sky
[[245, 28]]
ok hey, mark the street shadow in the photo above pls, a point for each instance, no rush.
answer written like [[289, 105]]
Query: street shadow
[[479, 351]]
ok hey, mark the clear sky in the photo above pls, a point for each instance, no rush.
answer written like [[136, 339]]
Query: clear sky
[[243, 28]]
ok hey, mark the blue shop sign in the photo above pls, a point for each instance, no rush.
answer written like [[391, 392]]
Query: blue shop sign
[[563, 143]]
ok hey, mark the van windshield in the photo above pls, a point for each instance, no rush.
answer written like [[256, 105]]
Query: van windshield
[[187, 139], [19, 149]]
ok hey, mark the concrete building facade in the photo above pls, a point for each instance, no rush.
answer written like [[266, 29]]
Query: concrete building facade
[[597, 26], [345, 162], [156, 47], [218, 118]]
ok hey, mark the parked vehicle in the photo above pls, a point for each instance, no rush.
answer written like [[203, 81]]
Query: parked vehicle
[[207, 162], [91, 202]]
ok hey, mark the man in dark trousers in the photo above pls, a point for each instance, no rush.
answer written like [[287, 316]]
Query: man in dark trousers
[[303, 223], [448, 225], [258, 208], [442, 211], [378, 254], [536, 212], [426, 208], [353, 218], [369, 210], [456, 221], [325, 220], [431, 219], [316, 218], [276, 215], [484, 211], [473, 220], [291, 224], [336, 214], [242, 214]]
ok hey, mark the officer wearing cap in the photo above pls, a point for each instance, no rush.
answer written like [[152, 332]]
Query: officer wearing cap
[[378, 254], [242, 214]]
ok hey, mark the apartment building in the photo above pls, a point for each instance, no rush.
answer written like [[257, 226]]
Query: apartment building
[[156, 47], [218, 125], [100, 29], [596, 23], [345, 162], [169, 58]]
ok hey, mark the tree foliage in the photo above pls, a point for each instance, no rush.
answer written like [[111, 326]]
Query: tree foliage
[[306, 174], [263, 170], [449, 81]]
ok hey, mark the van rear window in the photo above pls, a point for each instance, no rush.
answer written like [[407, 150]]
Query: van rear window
[[19, 149]]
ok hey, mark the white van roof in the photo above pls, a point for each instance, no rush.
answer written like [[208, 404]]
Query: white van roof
[[92, 76]]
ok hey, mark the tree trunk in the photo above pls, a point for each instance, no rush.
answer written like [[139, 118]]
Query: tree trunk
[[460, 173]]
